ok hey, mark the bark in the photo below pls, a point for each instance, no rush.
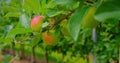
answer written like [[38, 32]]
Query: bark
[[21, 53], [46, 55], [33, 55], [12, 48]]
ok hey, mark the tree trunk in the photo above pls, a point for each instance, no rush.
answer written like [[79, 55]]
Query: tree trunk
[[87, 58], [46, 55], [119, 55], [33, 55], [113, 61], [21, 52], [12, 48]]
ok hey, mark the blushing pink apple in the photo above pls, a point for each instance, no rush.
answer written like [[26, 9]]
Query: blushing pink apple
[[36, 23]]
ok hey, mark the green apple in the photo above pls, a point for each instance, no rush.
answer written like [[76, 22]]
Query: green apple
[[89, 21]]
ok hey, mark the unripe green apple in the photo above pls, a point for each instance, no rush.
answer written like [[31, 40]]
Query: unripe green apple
[[64, 29], [36, 23], [50, 38], [89, 20]]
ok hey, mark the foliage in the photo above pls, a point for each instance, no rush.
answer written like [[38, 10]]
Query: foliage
[[15, 17]]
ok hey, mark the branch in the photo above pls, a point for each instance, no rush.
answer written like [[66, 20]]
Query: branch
[[52, 24]]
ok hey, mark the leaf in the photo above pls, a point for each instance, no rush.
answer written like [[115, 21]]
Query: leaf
[[7, 29], [66, 4], [19, 31], [34, 4], [45, 24], [13, 14], [1, 39], [27, 9], [12, 5], [108, 9], [60, 2], [25, 21], [53, 12], [36, 39], [75, 20]]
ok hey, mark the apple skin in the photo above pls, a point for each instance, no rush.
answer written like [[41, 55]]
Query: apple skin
[[89, 21], [64, 29], [50, 38], [36, 23]]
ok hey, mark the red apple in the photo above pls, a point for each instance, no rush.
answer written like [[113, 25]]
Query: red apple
[[36, 22], [50, 38]]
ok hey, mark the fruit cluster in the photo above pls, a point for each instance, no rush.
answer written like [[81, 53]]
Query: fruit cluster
[[49, 38]]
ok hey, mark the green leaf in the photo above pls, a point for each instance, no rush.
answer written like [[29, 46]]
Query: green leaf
[[36, 39], [25, 21], [9, 8], [27, 9], [75, 20], [66, 4], [7, 29], [1, 39], [60, 2], [53, 12], [34, 4], [13, 14], [19, 31], [108, 9]]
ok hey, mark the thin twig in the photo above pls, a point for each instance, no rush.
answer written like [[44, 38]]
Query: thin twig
[[54, 23]]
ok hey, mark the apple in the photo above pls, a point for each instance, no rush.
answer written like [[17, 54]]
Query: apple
[[89, 21], [50, 38], [64, 28], [36, 23]]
